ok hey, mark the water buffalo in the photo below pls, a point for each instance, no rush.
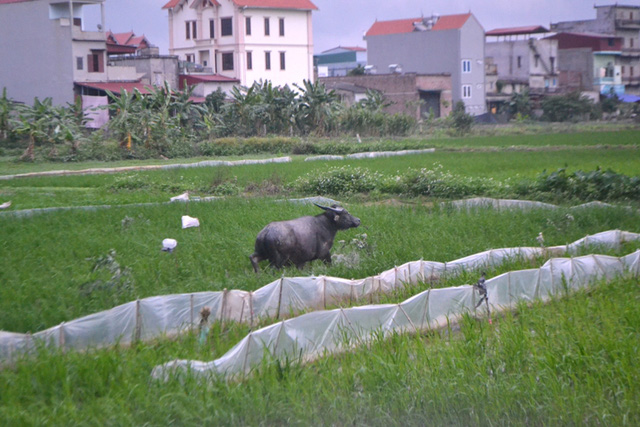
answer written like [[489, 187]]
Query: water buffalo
[[301, 240]]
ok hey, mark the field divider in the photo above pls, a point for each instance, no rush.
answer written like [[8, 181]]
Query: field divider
[[153, 317]]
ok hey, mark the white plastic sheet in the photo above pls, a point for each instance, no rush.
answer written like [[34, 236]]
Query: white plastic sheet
[[325, 332]]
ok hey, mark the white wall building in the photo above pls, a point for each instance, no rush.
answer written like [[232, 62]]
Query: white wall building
[[244, 40]]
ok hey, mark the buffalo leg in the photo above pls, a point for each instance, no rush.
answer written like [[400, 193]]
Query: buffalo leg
[[255, 259]]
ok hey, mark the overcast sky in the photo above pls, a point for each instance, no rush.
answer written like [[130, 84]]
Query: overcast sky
[[343, 22]]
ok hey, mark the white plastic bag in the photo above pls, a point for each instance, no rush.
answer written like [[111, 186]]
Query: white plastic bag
[[188, 222]]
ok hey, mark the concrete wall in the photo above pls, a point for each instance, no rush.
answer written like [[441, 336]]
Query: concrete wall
[[35, 53], [154, 69], [472, 48], [580, 61]]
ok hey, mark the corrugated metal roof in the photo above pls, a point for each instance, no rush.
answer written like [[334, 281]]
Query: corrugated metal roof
[[531, 29], [115, 86], [399, 26]]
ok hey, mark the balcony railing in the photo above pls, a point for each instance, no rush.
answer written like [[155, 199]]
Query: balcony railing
[[628, 23], [631, 80]]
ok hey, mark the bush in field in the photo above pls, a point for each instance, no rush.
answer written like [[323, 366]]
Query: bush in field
[[570, 107], [460, 121], [439, 183], [593, 185], [339, 181]]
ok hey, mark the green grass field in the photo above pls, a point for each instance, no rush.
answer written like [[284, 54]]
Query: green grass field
[[570, 361]]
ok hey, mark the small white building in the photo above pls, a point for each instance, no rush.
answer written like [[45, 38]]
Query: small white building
[[243, 40]]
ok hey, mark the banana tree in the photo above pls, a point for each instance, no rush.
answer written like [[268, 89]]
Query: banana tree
[[124, 118], [6, 109], [316, 107]]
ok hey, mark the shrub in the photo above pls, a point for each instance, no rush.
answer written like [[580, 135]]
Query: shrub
[[571, 107], [442, 184], [460, 121], [593, 185], [339, 181]]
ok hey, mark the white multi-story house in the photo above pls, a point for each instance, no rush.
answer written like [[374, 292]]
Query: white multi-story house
[[243, 41]]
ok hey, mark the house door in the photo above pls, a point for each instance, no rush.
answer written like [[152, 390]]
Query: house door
[[430, 103], [204, 58]]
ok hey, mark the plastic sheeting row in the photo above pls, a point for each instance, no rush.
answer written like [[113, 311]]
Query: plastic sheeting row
[[96, 171], [499, 204], [320, 333], [152, 317], [369, 155]]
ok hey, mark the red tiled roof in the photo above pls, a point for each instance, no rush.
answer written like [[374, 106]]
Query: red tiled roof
[[277, 4], [399, 26], [451, 22], [171, 4], [531, 29], [115, 87]]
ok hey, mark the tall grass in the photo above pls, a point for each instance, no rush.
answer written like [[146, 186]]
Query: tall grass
[[50, 269]]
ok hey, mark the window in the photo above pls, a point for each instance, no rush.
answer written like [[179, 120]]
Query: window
[[247, 25], [552, 61], [249, 61], [190, 57], [267, 29], [227, 61], [95, 62], [226, 27], [611, 42], [466, 91], [79, 63], [282, 63], [212, 29], [537, 59], [519, 61], [631, 70], [190, 30], [622, 70], [631, 42], [267, 60], [281, 25], [466, 65]]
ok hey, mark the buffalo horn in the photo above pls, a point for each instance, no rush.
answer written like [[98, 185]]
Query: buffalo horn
[[326, 208]]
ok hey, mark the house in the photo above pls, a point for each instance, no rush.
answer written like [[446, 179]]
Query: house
[[413, 94], [340, 60], [519, 59], [595, 58], [242, 41], [63, 59], [449, 44], [126, 43], [617, 21]]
